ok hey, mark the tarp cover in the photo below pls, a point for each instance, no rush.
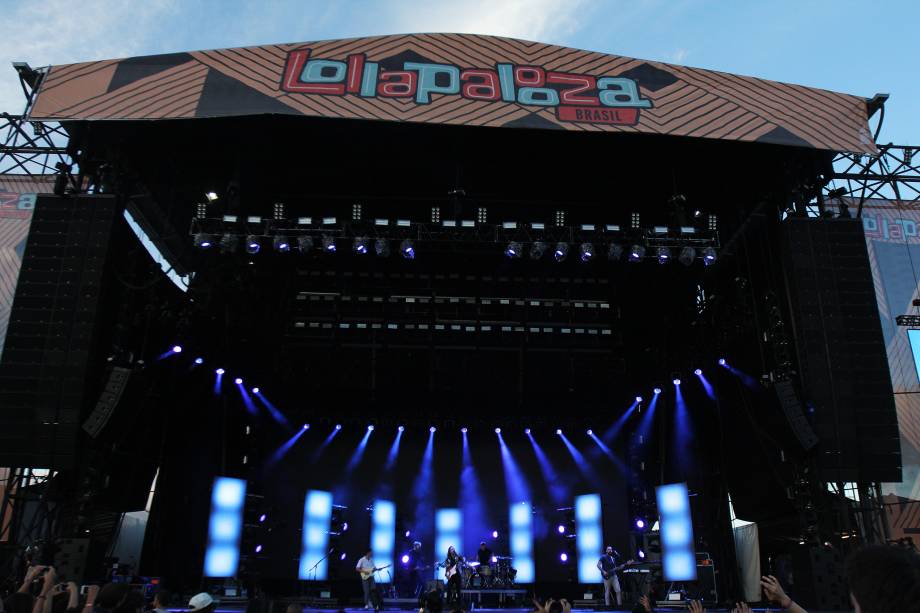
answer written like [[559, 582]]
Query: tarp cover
[[459, 79]]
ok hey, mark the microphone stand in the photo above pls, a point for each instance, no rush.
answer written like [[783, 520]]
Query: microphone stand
[[318, 562]]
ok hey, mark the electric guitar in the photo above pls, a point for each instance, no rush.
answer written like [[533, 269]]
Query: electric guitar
[[450, 571], [367, 574], [617, 569]]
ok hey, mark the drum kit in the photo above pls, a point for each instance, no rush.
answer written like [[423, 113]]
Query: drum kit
[[499, 574]]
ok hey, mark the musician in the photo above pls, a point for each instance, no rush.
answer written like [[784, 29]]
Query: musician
[[484, 554], [366, 569], [416, 566], [609, 565], [452, 573]]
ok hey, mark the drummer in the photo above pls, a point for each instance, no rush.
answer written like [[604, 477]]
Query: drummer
[[484, 554]]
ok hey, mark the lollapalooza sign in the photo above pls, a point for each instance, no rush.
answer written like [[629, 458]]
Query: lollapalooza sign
[[575, 97]]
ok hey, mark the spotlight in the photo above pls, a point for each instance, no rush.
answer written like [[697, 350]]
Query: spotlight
[[360, 245], [721, 361], [513, 250], [304, 243], [407, 249], [641, 555], [676, 381], [640, 523], [203, 241], [253, 244], [370, 428], [229, 243], [638, 398], [238, 381], [463, 430], [211, 196], [494, 559], [709, 256], [344, 526], [537, 250], [255, 390], [382, 247], [220, 371], [343, 556], [199, 361], [559, 432], [495, 534], [408, 533], [432, 429], [614, 252], [564, 557], [306, 426], [281, 244], [258, 548], [400, 429], [560, 529], [587, 252], [664, 255], [657, 390], [561, 252], [329, 244], [498, 430], [338, 426], [526, 430], [262, 518], [177, 349], [405, 558], [590, 432], [636, 253], [698, 372], [687, 255]]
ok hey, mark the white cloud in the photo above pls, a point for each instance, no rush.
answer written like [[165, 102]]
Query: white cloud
[[62, 32], [539, 20], [678, 56]]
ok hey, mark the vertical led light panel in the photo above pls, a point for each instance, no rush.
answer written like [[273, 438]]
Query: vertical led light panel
[[448, 530], [222, 556], [678, 556], [383, 537], [588, 537], [317, 514], [520, 518]]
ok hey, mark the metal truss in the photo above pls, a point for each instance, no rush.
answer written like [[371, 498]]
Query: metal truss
[[893, 174]]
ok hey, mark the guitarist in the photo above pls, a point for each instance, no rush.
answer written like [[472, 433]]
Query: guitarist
[[416, 566], [366, 569], [452, 574], [609, 565]]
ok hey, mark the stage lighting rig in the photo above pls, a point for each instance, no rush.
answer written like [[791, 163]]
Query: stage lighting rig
[[281, 244], [586, 252], [561, 252], [537, 249], [514, 249], [407, 249], [382, 247], [253, 244], [614, 252], [360, 245], [636, 253], [304, 243], [709, 256], [687, 256], [329, 244], [203, 241], [664, 255]]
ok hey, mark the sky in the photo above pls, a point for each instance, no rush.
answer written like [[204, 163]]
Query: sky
[[853, 47]]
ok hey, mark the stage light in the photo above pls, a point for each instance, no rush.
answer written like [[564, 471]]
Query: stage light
[[255, 390], [463, 430], [400, 429], [329, 244], [641, 555], [676, 381], [344, 526], [640, 523], [559, 432], [721, 361], [664, 255], [590, 432], [537, 250], [238, 381], [304, 243], [587, 252], [360, 245], [698, 372], [229, 243], [220, 371], [382, 247], [432, 429], [407, 249], [614, 252], [405, 558], [343, 556], [638, 398], [495, 534], [636, 253], [211, 196], [709, 256], [561, 251], [370, 428], [498, 430], [306, 426], [253, 244], [687, 255], [494, 559], [657, 390], [258, 548], [177, 349], [203, 241], [338, 426], [281, 244], [262, 518], [408, 533], [564, 557], [526, 430], [513, 250], [199, 361], [560, 529]]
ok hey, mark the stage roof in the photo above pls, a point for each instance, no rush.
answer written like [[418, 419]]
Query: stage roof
[[458, 79]]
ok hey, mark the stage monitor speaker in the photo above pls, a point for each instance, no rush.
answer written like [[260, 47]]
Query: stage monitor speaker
[[792, 408], [842, 360], [53, 327]]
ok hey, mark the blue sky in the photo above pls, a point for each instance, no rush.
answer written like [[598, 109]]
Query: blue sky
[[853, 47]]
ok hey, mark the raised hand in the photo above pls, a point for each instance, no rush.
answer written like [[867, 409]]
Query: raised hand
[[646, 604], [774, 591], [696, 607], [741, 607]]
